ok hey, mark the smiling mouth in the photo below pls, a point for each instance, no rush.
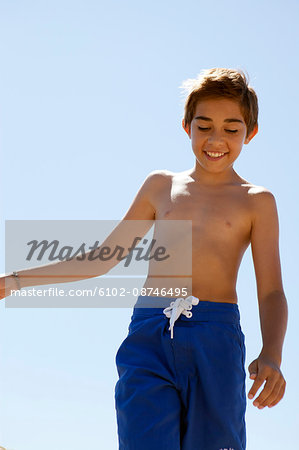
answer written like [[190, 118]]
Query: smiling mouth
[[214, 156]]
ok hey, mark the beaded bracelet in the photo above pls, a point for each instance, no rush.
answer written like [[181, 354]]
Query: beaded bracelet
[[15, 274]]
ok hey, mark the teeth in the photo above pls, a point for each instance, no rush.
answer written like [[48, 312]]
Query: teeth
[[215, 155]]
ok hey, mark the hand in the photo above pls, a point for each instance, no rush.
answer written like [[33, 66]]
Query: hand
[[261, 369]]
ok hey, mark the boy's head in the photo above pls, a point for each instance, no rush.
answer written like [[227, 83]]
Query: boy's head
[[222, 83]]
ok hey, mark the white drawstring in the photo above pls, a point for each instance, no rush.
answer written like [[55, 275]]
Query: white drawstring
[[180, 306]]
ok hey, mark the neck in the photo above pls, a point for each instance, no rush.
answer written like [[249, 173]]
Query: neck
[[204, 177]]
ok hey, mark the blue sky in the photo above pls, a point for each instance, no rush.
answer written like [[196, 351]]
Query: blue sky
[[89, 105]]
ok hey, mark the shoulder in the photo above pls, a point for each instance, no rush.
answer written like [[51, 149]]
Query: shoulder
[[260, 195], [158, 179], [144, 203], [262, 202], [159, 176], [260, 192], [154, 184], [257, 194]]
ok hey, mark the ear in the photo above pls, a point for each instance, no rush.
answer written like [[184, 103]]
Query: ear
[[186, 128], [252, 134]]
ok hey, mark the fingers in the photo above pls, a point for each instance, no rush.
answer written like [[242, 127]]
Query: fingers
[[271, 389], [258, 381], [280, 396], [272, 392]]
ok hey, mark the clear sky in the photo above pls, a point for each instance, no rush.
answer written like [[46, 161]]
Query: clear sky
[[89, 105]]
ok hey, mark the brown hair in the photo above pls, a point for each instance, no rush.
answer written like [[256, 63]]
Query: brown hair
[[221, 82]]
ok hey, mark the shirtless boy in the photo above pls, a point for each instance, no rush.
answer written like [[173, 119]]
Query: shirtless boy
[[184, 387]]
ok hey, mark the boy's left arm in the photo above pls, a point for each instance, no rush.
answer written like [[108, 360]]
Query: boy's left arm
[[273, 309]]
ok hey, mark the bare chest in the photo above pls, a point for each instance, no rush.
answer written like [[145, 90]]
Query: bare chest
[[222, 215]]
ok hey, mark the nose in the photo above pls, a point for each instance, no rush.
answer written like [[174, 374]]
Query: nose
[[215, 137]]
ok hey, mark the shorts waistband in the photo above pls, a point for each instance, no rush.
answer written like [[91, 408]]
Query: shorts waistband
[[204, 311]]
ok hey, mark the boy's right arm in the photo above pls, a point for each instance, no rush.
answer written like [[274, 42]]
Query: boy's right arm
[[142, 212]]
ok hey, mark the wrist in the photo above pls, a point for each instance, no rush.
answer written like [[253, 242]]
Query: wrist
[[12, 282], [17, 280], [272, 355]]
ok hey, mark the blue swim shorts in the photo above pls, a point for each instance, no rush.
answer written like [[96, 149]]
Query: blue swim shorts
[[181, 388]]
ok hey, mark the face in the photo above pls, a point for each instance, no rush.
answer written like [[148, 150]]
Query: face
[[217, 133]]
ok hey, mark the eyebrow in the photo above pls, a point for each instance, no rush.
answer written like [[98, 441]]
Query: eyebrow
[[207, 119]]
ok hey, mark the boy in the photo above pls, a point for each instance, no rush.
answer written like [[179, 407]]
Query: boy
[[181, 372]]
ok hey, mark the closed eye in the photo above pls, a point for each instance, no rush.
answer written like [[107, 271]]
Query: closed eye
[[205, 129]]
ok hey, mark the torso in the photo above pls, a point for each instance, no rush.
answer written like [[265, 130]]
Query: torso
[[221, 226]]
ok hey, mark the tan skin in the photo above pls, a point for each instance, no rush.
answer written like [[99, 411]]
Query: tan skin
[[228, 214]]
